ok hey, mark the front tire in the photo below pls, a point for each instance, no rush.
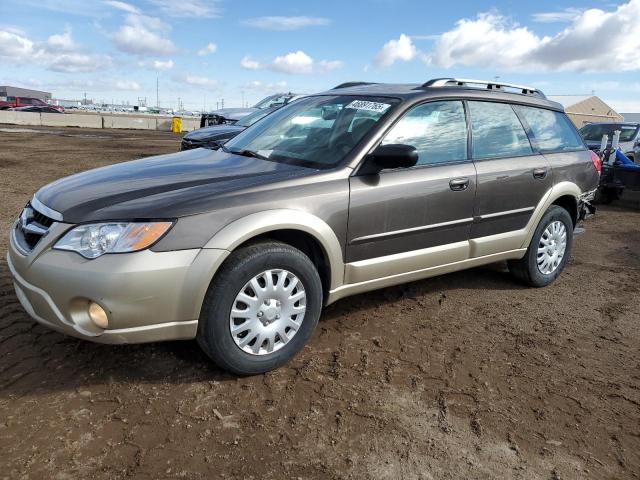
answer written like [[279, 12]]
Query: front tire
[[261, 308], [549, 250]]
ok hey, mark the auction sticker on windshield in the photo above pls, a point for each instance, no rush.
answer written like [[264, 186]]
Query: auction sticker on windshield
[[369, 106]]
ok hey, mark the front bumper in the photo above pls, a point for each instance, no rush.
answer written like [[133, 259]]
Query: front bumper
[[148, 296]]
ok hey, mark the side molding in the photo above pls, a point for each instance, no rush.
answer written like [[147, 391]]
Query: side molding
[[241, 230]]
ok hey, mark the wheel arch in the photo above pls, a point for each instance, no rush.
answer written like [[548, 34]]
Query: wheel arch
[[564, 194], [297, 228]]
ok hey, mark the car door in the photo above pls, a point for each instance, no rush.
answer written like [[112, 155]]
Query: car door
[[412, 218], [512, 178]]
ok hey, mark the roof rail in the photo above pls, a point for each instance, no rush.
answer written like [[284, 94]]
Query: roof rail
[[488, 84], [352, 84]]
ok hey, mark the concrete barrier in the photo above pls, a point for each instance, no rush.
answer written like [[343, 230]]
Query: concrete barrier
[[134, 123], [189, 124], [70, 120], [163, 124], [20, 118], [91, 120]]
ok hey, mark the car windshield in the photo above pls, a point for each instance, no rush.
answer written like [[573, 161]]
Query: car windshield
[[272, 100], [316, 132], [596, 131], [253, 117]]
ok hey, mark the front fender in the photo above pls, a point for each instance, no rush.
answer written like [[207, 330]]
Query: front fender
[[246, 228]]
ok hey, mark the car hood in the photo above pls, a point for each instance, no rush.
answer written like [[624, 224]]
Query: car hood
[[166, 186], [213, 132], [233, 113]]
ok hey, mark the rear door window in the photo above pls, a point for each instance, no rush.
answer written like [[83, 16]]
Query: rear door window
[[553, 132], [438, 130], [497, 131]]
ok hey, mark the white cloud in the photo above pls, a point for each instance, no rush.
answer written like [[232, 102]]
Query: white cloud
[[293, 63], [595, 41], [188, 8], [394, 50], [128, 85], [142, 35], [249, 63], [62, 42], [285, 23], [79, 63], [265, 88], [330, 65], [566, 15], [158, 65], [198, 81], [59, 53], [14, 44], [125, 7], [208, 50]]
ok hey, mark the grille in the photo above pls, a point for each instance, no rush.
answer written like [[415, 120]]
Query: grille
[[31, 227]]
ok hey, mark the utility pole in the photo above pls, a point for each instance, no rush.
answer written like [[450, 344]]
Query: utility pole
[[222, 103], [157, 93]]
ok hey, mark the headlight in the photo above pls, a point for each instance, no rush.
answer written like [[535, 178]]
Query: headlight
[[94, 240]]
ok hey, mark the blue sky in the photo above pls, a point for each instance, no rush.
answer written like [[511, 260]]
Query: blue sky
[[203, 51]]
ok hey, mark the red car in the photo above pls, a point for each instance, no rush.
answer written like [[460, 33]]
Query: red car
[[15, 102]]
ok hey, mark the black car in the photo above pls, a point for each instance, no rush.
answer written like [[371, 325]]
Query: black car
[[214, 136]]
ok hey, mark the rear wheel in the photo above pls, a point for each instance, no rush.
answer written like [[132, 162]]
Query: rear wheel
[[261, 308], [549, 250]]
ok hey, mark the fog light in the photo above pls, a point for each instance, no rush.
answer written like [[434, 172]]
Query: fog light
[[98, 315]]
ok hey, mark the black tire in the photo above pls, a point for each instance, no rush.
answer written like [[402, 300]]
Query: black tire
[[214, 335], [526, 269]]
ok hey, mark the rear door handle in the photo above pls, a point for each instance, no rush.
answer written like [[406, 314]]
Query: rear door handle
[[459, 184], [539, 173]]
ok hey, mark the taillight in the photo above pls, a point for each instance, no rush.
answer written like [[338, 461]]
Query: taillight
[[597, 163]]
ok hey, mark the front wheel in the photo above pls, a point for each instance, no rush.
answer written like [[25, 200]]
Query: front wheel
[[261, 308], [549, 250]]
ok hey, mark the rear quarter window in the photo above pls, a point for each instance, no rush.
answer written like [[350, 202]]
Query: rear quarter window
[[552, 131], [497, 131]]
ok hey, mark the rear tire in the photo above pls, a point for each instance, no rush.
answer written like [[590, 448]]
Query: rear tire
[[254, 319], [548, 252]]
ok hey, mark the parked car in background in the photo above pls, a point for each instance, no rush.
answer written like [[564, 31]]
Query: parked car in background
[[629, 137], [232, 115], [215, 135], [37, 109], [338, 193], [16, 102]]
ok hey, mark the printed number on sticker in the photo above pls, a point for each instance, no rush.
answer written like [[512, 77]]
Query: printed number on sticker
[[369, 106]]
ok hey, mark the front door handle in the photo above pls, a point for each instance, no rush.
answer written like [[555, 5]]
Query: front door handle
[[459, 184], [540, 173]]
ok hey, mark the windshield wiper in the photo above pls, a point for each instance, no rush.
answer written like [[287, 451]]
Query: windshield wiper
[[246, 153]]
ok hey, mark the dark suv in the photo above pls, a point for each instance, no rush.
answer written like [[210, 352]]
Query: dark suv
[[353, 189]]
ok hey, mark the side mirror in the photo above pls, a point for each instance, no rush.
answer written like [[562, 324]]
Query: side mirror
[[393, 156]]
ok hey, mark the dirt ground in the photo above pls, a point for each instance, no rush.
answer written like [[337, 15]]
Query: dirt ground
[[464, 376]]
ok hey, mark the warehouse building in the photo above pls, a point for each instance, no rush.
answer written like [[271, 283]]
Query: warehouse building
[[8, 91], [585, 109]]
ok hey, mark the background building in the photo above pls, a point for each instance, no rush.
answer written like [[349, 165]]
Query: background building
[[585, 109], [8, 91]]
